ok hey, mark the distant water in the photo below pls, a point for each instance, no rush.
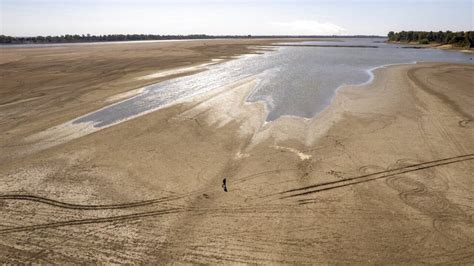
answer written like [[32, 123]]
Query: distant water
[[297, 81]]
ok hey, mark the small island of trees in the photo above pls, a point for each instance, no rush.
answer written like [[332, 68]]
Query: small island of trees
[[458, 39]]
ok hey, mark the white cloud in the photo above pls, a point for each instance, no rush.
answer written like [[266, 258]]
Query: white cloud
[[309, 27]]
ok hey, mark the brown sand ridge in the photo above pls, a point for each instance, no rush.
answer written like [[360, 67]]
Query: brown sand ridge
[[383, 175]]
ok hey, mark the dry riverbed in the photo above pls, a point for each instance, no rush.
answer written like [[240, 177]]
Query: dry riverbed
[[383, 175]]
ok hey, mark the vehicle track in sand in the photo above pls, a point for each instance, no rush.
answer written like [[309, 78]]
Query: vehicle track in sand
[[427, 86], [300, 192], [89, 221], [72, 206], [134, 216], [126, 205], [312, 189], [422, 192]]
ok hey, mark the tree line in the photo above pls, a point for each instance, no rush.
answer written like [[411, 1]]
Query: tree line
[[460, 38], [76, 38]]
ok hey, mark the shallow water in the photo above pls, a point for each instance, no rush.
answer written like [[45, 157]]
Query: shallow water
[[297, 81]]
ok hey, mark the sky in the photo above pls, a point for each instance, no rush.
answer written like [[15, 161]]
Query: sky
[[233, 17]]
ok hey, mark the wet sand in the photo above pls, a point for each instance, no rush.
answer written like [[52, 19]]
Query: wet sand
[[383, 175], [417, 45], [43, 87]]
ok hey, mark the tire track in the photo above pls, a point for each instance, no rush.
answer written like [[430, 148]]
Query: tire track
[[430, 199], [374, 176], [301, 191], [442, 97], [120, 218], [91, 221], [72, 206]]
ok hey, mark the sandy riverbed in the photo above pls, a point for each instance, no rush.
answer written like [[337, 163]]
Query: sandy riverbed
[[383, 175]]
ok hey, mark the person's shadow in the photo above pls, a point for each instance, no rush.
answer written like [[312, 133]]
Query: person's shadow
[[224, 185]]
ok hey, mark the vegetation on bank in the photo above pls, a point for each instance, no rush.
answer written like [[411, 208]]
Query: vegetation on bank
[[76, 38], [73, 38], [458, 39]]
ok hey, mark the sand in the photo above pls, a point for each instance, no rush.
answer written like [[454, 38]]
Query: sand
[[383, 175], [439, 46], [44, 87]]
